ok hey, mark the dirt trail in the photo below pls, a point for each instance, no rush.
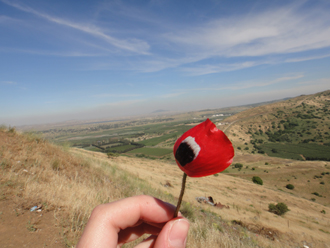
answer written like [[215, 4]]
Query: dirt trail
[[21, 228]]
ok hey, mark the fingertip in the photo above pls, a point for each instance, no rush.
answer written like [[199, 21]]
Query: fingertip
[[178, 233], [174, 234]]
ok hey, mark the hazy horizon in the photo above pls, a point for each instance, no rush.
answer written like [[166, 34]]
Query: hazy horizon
[[74, 60], [52, 120]]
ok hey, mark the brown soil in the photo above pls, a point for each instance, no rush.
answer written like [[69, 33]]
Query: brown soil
[[21, 228]]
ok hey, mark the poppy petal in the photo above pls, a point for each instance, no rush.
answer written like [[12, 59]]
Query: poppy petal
[[203, 150]]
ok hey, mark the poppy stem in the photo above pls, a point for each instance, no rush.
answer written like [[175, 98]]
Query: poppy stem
[[183, 186]]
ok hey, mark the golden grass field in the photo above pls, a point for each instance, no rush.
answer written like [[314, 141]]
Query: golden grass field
[[69, 183]]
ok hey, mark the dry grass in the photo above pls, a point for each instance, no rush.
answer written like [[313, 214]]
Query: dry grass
[[40, 172], [72, 182]]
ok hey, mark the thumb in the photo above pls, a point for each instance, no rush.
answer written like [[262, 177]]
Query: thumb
[[173, 234]]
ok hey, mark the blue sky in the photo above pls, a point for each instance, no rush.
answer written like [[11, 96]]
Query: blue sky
[[74, 60]]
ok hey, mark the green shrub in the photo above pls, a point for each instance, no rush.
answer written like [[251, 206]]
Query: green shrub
[[317, 194], [238, 165], [289, 186], [271, 207], [279, 209], [257, 180], [112, 155]]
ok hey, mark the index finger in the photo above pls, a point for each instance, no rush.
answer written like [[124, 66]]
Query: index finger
[[143, 207]]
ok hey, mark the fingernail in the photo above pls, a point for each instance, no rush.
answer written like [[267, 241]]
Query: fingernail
[[178, 233]]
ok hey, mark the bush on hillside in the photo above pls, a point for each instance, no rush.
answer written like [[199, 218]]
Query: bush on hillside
[[238, 165], [257, 180], [317, 194], [112, 155], [279, 209], [289, 186]]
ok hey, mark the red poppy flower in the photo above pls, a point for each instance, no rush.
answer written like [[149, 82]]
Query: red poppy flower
[[203, 150]]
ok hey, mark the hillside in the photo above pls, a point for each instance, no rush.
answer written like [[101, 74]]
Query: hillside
[[69, 183], [298, 128]]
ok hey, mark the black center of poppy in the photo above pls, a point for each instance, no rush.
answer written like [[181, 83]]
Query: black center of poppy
[[184, 154]]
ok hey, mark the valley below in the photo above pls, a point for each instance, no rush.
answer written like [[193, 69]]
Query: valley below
[[67, 170]]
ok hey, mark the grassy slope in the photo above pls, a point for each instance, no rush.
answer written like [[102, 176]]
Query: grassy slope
[[301, 119], [72, 183]]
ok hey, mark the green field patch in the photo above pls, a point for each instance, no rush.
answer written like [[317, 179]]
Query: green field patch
[[110, 145], [121, 149], [157, 140], [92, 148], [294, 151], [151, 151]]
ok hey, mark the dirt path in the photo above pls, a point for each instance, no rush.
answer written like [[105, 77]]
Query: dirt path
[[21, 228]]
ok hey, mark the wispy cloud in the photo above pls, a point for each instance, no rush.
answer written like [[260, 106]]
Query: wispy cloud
[[257, 38], [283, 30], [216, 68], [170, 95], [245, 85], [9, 82], [272, 35], [51, 53], [319, 82], [132, 45], [301, 59], [5, 19], [116, 95]]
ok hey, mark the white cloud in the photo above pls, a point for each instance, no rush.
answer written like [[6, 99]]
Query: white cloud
[[52, 53], [170, 95], [219, 45], [320, 84], [301, 59], [216, 68], [5, 18], [285, 30], [132, 44], [116, 95], [9, 82], [246, 85]]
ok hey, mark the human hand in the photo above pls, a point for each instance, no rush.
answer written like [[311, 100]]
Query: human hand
[[113, 224]]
